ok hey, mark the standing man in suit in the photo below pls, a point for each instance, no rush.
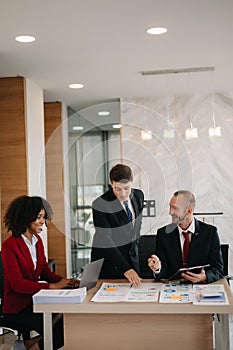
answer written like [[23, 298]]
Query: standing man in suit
[[117, 216], [202, 240]]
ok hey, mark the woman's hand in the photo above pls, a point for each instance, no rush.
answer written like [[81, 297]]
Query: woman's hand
[[64, 283], [73, 282]]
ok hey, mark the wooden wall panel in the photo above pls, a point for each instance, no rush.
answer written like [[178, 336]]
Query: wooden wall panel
[[54, 184], [13, 169]]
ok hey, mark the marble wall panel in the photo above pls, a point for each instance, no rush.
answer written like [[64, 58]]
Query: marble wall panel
[[203, 165]]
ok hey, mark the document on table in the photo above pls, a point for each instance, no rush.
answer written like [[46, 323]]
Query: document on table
[[119, 292], [146, 292], [176, 293], [209, 294]]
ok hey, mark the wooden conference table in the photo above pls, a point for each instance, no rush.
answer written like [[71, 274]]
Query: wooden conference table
[[138, 326]]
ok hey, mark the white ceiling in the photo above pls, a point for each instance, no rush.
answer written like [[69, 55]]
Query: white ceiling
[[103, 44]]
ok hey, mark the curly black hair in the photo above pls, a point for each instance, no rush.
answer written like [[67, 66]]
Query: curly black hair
[[22, 211]]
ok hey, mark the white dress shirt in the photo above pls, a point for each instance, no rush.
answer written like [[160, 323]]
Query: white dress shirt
[[130, 207], [32, 248], [190, 229]]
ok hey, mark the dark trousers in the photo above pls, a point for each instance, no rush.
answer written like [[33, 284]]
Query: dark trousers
[[31, 321]]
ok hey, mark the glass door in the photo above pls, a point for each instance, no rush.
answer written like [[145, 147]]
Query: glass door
[[90, 154]]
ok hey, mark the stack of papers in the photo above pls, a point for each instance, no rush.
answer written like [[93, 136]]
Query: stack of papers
[[118, 292], [60, 296]]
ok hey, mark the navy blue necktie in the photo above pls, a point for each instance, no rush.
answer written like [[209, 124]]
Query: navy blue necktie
[[129, 214]]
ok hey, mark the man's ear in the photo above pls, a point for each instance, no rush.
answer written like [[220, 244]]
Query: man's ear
[[190, 210]]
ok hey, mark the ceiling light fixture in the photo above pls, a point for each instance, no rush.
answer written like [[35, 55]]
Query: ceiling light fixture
[[76, 86], [156, 30], [191, 133], [215, 131], [104, 113], [178, 70], [117, 126], [78, 127], [25, 38], [169, 133], [146, 135]]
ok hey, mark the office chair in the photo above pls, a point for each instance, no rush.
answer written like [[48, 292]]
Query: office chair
[[146, 247], [9, 327], [225, 255]]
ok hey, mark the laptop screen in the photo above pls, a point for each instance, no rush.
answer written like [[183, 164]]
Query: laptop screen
[[91, 274]]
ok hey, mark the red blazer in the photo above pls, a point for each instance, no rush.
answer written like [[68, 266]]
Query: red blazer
[[21, 281]]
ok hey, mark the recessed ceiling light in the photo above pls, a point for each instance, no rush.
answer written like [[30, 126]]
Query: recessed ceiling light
[[78, 127], [156, 30], [76, 86], [103, 113], [116, 126], [25, 38]]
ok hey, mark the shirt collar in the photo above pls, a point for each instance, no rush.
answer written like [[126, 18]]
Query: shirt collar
[[34, 239], [128, 200], [190, 229]]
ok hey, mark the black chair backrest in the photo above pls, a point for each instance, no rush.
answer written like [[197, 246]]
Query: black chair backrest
[[225, 256], [146, 247]]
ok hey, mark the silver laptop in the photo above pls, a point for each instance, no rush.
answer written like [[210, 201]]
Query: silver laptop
[[91, 274]]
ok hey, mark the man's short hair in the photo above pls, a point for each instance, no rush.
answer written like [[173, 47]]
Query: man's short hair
[[121, 173], [189, 197]]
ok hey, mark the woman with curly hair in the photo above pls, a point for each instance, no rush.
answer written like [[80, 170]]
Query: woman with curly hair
[[26, 270]]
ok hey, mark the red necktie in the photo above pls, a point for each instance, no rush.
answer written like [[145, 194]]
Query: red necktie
[[185, 248]]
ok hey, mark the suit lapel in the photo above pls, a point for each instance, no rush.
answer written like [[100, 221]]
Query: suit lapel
[[122, 213], [40, 257], [173, 234], [193, 248], [175, 243], [116, 209], [134, 204]]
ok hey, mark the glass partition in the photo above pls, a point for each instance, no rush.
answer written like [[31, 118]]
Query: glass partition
[[90, 156]]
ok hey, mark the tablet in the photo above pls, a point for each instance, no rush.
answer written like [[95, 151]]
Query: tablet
[[194, 269]]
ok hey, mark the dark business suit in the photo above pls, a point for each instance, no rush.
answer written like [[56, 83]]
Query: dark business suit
[[113, 239], [204, 249]]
